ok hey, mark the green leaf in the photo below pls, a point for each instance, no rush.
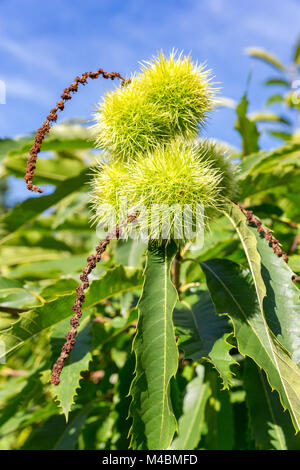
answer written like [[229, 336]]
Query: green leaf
[[203, 333], [246, 128], [282, 302], [191, 423], [233, 292], [48, 170], [276, 98], [15, 409], [68, 439], [257, 162], [14, 255], [122, 424], [266, 171], [49, 269], [218, 243], [13, 295], [55, 434], [154, 423], [265, 56], [7, 145], [284, 178], [69, 206], [297, 53], [268, 116], [271, 428], [22, 419], [286, 136], [6, 285], [77, 362], [103, 333], [129, 252], [241, 295], [114, 281], [53, 144], [277, 81], [40, 319], [30, 209], [219, 417], [57, 288], [294, 263]]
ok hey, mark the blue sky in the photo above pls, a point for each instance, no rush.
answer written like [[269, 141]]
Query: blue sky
[[44, 45]]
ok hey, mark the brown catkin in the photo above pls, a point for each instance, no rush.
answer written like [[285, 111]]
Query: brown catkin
[[80, 297], [52, 117], [273, 242], [93, 259]]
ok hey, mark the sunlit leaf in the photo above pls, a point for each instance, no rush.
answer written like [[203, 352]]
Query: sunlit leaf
[[191, 422], [30, 209], [219, 417], [268, 116], [265, 56], [154, 423], [246, 128], [40, 319], [203, 333], [271, 428], [277, 98], [277, 81]]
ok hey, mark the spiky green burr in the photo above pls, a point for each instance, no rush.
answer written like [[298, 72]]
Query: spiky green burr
[[218, 155], [182, 173], [170, 97]]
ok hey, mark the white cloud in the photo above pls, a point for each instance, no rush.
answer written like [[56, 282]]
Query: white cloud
[[20, 88], [33, 54]]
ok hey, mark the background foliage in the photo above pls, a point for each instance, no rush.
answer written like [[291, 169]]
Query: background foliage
[[220, 398]]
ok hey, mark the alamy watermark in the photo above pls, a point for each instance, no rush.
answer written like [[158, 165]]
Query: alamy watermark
[[159, 222], [2, 92]]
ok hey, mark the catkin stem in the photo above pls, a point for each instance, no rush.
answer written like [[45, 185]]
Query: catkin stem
[[92, 260], [52, 117], [273, 242]]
